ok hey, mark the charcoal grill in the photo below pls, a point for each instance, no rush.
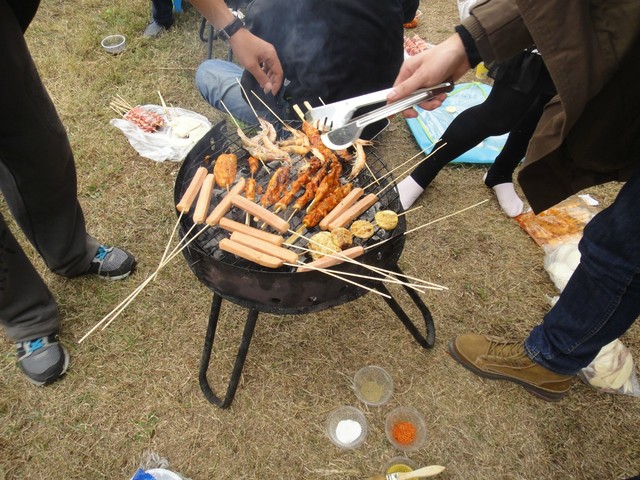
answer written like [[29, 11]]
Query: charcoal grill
[[283, 291]]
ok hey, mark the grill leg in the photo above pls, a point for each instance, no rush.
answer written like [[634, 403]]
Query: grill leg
[[205, 360], [426, 341]]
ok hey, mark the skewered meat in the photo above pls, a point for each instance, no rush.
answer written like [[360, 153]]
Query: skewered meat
[[253, 165], [225, 169], [313, 217], [276, 186], [310, 189], [250, 189], [147, 120]]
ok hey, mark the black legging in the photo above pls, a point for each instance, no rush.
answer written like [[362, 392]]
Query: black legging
[[504, 110]]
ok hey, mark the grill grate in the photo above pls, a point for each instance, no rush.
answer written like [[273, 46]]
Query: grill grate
[[219, 140]]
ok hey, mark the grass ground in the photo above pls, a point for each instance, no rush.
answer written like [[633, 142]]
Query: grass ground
[[133, 389]]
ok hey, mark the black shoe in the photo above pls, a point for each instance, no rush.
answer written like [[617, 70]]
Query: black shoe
[[111, 263], [42, 360]]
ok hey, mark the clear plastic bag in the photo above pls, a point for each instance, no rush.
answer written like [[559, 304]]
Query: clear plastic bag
[[182, 130], [560, 262], [612, 371]]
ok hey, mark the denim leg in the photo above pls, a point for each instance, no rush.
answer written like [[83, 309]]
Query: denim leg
[[162, 12], [217, 82], [602, 298]]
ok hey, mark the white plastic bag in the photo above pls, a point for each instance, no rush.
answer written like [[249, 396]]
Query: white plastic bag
[[182, 130], [612, 371], [560, 262]]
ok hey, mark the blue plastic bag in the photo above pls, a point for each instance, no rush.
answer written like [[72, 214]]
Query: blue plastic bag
[[429, 126]]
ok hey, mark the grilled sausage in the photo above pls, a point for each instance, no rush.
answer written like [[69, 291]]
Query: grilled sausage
[[356, 210], [265, 247], [224, 205], [344, 204], [262, 213], [204, 199], [326, 262], [189, 196], [249, 254], [233, 226]]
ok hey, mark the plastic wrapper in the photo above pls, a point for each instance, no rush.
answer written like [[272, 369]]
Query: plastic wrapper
[[181, 131], [560, 262], [612, 371], [560, 224]]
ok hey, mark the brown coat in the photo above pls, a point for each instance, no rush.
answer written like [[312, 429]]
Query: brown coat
[[590, 132]]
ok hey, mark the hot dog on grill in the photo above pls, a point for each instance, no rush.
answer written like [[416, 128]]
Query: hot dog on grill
[[204, 199], [356, 210], [224, 205], [262, 213], [249, 254], [344, 204], [233, 226], [190, 194], [326, 261], [265, 247]]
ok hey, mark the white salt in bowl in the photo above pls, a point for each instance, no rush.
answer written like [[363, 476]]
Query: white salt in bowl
[[373, 385], [347, 427], [114, 44]]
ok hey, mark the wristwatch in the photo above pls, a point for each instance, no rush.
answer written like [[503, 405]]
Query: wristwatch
[[227, 32]]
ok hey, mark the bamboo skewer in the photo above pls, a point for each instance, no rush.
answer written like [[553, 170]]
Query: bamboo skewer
[[387, 273], [428, 223], [331, 273], [164, 106], [405, 162], [122, 305], [386, 278]]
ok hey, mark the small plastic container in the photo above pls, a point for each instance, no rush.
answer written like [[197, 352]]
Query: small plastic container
[[399, 465], [373, 385], [114, 44], [406, 429], [347, 427]]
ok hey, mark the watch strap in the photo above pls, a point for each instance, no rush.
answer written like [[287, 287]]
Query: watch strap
[[227, 32]]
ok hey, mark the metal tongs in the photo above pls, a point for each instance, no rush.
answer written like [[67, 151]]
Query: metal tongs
[[338, 116]]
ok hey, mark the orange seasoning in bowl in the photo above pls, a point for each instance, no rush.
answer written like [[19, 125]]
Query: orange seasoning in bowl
[[404, 433]]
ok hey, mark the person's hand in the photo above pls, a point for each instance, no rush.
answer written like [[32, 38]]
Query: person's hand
[[260, 58], [445, 62]]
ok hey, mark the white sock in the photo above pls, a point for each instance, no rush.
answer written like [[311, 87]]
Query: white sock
[[508, 199], [409, 191]]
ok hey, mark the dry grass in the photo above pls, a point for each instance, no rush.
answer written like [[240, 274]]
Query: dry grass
[[134, 388]]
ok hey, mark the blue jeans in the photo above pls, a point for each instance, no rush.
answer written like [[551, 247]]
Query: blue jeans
[[217, 81], [602, 298]]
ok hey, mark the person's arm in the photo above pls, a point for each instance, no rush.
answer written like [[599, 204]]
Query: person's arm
[[256, 55], [493, 31], [445, 62]]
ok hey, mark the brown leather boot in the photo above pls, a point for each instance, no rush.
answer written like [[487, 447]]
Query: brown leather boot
[[497, 359]]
